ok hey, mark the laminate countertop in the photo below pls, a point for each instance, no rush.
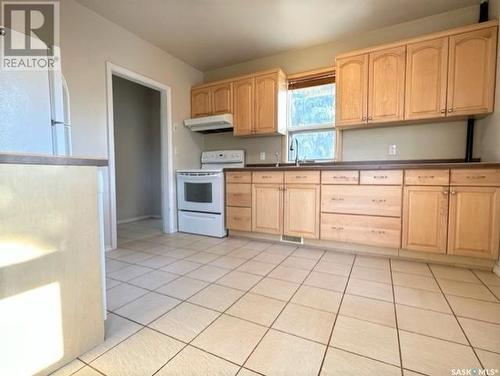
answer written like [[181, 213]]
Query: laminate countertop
[[371, 165], [37, 159]]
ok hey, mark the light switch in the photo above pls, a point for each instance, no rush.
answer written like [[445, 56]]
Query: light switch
[[262, 155], [392, 149]]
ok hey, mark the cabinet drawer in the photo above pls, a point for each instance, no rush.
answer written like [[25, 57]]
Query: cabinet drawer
[[382, 177], [239, 177], [340, 177], [427, 177], [239, 218], [267, 177], [302, 177], [368, 200], [238, 194], [484, 177], [374, 231]]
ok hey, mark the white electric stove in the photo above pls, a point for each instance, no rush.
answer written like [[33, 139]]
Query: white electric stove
[[200, 193]]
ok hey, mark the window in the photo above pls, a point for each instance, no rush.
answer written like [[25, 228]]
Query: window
[[311, 116]]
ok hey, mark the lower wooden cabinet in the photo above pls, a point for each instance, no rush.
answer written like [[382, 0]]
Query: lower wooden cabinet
[[301, 213], [267, 208], [361, 229], [425, 218], [474, 222], [239, 218]]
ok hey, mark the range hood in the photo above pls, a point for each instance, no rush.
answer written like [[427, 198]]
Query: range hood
[[211, 124]]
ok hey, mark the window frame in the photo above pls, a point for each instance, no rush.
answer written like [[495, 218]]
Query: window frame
[[303, 79]]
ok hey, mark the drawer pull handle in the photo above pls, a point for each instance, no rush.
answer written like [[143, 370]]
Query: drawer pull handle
[[475, 177], [338, 228], [426, 176], [266, 177], [237, 176], [237, 218], [343, 177], [237, 194], [380, 177], [379, 232], [301, 177], [337, 199], [378, 200]]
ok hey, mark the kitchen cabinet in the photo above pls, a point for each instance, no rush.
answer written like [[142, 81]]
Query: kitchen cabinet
[[301, 210], [425, 218], [256, 101], [472, 66], [361, 229], [474, 221], [222, 98], [243, 116], [266, 106], [448, 74], [438, 211], [212, 100], [351, 90], [386, 81], [426, 79], [267, 208], [201, 104]]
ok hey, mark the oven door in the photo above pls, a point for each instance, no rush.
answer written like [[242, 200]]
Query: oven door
[[200, 191]]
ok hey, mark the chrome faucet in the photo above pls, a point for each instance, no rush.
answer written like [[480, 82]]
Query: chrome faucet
[[277, 156], [297, 163]]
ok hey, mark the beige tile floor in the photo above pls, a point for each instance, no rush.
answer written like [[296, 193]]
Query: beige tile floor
[[189, 305]]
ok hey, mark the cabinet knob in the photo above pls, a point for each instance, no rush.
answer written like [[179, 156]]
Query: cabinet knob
[[363, 118], [443, 110], [453, 192], [370, 118], [450, 109], [445, 192]]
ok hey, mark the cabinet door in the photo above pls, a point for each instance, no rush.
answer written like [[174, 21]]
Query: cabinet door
[[302, 210], [222, 98], [266, 104], [471, 81], [425, 218], [243, 105], [474, 221], [201, 102], [386, 85], [267, 208], [426, 79], [351, 90]]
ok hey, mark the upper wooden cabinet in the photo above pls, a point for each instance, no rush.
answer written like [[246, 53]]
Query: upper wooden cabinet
[[426, 79], [212, 100], [351, 90], [445, 74], [222, 98], [474, 222], [201, 104], [257, 102], [472, 72], [386, 85], [243, 116], [266, 103]]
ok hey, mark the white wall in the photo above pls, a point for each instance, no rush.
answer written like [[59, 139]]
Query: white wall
[[137, 150], [429, 141], [87, 42]]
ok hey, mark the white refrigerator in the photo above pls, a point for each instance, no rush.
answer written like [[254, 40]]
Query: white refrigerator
[[35, 114]]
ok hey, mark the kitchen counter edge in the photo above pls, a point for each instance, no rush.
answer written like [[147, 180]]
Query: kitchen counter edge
[[35, 159], [402, 165]]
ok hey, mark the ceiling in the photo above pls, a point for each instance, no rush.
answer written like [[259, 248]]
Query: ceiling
[[208, 34]]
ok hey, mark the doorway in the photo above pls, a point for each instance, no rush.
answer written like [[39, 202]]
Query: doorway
[[141, 180]]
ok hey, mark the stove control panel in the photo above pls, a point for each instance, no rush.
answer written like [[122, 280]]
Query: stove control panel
[[223, 156]]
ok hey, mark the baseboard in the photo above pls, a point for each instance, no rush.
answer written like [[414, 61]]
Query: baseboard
[[135, 219]]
